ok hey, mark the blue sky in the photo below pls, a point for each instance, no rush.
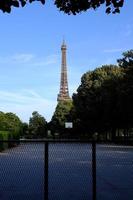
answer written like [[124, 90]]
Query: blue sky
[[30, 56]]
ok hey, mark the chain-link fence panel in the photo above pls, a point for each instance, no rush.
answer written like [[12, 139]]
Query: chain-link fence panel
[[70, 171], [22, 172], [114, 172], [66, 170]]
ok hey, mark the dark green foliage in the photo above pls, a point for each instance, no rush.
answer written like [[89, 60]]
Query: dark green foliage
[[126, 63], [103, 103], [127, 59], [68, 6], [13, 128], [77, 6], [61, 115], [6, 5], [10, 128], [104, 100], [11, 123], [25, 130], [4, 135], [95, 98], [37, 126]]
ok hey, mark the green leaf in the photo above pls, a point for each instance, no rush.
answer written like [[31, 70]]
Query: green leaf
[[15, 3]]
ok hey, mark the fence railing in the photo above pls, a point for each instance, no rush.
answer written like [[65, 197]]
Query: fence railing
[[66, 169]]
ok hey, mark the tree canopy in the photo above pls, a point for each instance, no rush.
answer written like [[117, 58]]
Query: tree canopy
[[37, 125], [127, 59], [61, 115], [68, 6], [10, 122], [103, 101]]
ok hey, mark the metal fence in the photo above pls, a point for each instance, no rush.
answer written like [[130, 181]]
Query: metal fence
[[64, 169]]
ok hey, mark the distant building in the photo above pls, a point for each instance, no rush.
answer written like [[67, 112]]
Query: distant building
[[64, 92]]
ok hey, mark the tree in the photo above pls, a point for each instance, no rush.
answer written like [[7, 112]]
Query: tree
[[61, 115], [2, 121], [68, 6], [127, 59], [76, 6], [37, 125], [25, 129], [126, 63], [11, 123], [96, 101]]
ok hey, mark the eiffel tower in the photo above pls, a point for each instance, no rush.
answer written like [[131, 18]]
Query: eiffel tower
[[64, 92]]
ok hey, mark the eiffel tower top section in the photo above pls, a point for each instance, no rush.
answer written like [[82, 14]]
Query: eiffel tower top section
[[64, 92]]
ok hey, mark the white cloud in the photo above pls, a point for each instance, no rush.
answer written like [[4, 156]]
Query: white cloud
[[32, 93], [108, 61], [30, 59], [22, 58], [25, 102], [113, 50], [52, 59], [17, 58], [128, 30]]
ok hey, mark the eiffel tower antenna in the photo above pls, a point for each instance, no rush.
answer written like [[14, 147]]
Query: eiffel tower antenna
[[63, 40]]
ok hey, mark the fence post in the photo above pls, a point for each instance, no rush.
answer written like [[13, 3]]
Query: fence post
[[94, 170], [46, 172]]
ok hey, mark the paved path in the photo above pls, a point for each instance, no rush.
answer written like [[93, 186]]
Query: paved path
[[22, 172]]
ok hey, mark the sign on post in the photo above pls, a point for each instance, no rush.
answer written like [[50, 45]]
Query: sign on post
[[68, 125]]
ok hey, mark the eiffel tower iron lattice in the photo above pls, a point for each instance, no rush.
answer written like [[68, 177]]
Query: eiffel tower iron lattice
[[64, 92]]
